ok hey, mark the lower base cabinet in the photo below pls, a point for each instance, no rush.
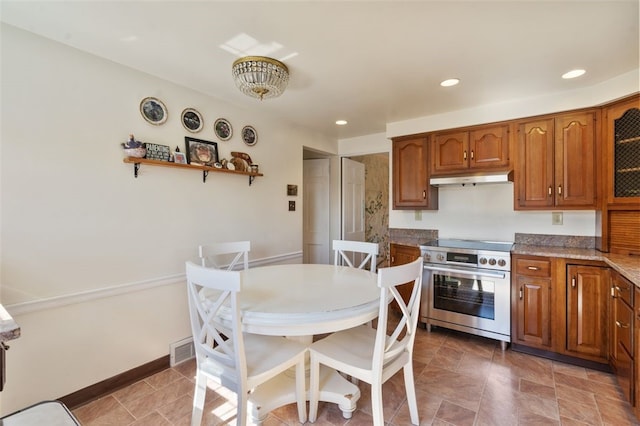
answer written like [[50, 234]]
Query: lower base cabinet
[[621, 332], [401, 255], [587, 308]]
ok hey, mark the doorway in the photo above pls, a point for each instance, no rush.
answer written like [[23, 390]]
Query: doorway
[[318, 209]]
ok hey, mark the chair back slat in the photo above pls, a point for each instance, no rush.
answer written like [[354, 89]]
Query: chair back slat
[[213, 255], [346, 250]]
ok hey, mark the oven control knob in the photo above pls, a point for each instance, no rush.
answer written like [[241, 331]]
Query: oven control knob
[[483, 260], [441, 257], [492, 261], [427, 257], [502, 262]]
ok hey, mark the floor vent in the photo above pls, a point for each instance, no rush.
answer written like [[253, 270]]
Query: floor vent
[[181, 351]]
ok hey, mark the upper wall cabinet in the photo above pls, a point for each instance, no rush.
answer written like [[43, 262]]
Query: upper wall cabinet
[[556, 162], [621, 135], [467, 151], [411, 189]]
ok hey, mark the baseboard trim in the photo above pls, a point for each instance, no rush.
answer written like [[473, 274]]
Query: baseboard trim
[[112, 384], [594, 365]]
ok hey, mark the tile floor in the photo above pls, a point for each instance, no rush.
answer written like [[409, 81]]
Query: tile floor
[[460, 380]]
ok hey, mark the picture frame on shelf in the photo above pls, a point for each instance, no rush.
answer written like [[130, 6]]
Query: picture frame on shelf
[[153, 111], [222, 128], [201, 152], [179, 158], [249, 135], [192, 120]]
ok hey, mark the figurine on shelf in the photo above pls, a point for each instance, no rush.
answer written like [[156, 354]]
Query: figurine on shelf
[[134, 148]]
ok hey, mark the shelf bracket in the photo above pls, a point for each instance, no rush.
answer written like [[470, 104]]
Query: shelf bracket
[[205, 173], [251, 179], [136, 168]]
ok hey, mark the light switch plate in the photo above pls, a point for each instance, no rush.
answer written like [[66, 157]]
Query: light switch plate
[[556, 218]]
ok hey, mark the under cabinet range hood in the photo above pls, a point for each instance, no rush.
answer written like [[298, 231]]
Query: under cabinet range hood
[[473, 179]]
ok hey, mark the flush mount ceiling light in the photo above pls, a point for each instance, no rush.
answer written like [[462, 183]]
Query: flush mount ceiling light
[[450, 82], [341, 122], [260, 77], [573, 74]]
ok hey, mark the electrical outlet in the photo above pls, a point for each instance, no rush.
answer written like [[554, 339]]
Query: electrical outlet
[[418, 215], [556, 218], [292, 206]]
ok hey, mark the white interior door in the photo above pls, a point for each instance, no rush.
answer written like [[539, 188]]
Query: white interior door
[[353, 223], [316, 215]]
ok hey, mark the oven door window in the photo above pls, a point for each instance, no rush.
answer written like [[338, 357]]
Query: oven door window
[[468, 296]]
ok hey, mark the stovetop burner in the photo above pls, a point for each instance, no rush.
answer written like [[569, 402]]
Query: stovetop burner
[[502, 246]]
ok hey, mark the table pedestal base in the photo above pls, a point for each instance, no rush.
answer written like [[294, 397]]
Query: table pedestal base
[[281, 390]]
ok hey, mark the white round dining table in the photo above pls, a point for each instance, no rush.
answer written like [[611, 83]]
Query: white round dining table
[[300, 301], [307, 299]]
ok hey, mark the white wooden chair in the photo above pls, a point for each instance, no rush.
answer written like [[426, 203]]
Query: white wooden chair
[[227, 356], [344, 248], [370, 354], [211, 255]]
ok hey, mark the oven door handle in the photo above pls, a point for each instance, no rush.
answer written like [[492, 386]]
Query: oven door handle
[[488, 274]]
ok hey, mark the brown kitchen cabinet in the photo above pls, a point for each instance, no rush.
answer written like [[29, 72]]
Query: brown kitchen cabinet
[[411, 189], [464, 151], [556, 162], [621, 330], [618, 218], [587, 289], [531, 289], [401, 255]]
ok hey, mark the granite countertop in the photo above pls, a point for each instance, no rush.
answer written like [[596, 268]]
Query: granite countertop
[[628, 266], [568, 247], [9, 329]]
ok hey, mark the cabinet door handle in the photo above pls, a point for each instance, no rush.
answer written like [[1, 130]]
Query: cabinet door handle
[[573, 282], [464, 155], [613, 292], [472, 154], [621, 325], [424, 194], [533, 268], [393, 259], [559, 189], [521, 293], [550, 191]]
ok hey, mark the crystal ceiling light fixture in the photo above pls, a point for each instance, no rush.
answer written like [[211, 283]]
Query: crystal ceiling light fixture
[[260, 77]]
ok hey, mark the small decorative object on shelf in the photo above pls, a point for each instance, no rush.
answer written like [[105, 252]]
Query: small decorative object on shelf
[[158, 152], [134, 148]]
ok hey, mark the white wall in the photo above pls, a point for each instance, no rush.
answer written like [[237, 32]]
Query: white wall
[[92, 258]]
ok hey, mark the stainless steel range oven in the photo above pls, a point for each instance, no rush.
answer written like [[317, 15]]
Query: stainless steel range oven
[[466, 286]]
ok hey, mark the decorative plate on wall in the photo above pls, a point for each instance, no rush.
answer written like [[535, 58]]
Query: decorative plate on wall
[[249, 135], [153, 110], [192, 120], [223, 129]]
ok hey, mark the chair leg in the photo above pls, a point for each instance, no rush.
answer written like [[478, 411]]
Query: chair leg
[[376, 403], [198, 399], [301, 392], [314, 388], [241, 416], [410, 388]]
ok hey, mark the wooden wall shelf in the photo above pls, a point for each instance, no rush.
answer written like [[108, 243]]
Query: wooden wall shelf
[[137, 162]]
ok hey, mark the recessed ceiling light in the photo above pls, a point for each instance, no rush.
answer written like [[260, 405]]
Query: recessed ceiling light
[[450, 82], [341, 122], [573, 74]]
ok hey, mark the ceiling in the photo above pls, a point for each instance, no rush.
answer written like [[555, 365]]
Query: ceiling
[[368, 62]]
